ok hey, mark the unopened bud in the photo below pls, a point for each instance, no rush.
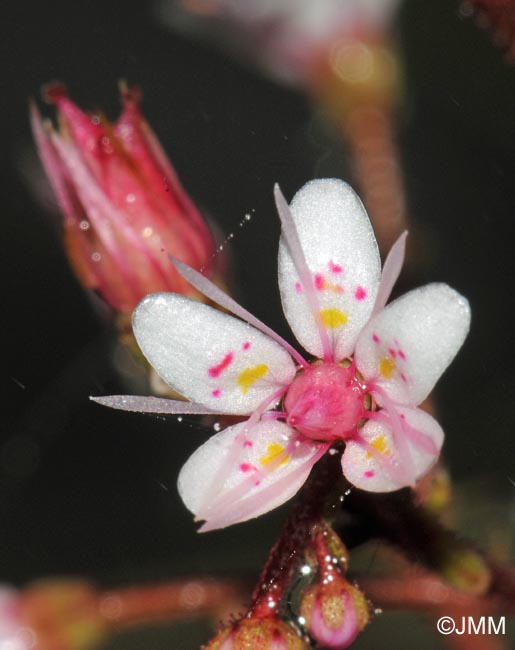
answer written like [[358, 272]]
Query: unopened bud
[[334, 612], [267, 633]]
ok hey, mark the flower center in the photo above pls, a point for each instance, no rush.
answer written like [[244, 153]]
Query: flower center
[[325, 402]]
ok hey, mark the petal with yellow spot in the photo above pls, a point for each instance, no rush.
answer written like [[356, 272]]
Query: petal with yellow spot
[[333, 318], [249, 376]]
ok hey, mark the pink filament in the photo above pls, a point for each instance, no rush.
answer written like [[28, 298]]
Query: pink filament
[[210, 290], [295, 247]]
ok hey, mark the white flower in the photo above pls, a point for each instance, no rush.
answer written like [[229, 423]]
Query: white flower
[[374, 365]]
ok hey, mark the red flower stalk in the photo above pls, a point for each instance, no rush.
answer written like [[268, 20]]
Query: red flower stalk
[[124, 209]]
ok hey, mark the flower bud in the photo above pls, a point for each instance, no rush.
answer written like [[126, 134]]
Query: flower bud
[[332, 610], [258, 633], [124, 210], [334, 613]]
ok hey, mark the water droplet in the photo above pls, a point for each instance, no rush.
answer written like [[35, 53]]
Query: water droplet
[[179, 418], [217, 426], [248, 217], [378, 611], [147, 232], [84, 225], [305, 570], [130, 198], [96, 257], [301, 620]]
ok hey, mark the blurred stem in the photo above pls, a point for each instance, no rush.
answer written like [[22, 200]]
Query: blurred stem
[[168, 602]]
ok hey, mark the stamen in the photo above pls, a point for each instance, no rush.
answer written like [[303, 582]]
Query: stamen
[[267, 493], [295, 247], [391, 271], [210, 290], [398, 434], [219, 479], [140, 404]]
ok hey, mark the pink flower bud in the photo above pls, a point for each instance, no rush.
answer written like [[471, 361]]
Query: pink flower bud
[[124, 209], [256, 633], [335, 613]]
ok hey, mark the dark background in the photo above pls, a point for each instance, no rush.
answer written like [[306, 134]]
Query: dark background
[[85, 491]]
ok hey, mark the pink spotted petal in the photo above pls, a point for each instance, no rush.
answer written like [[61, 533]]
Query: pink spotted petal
[[267, 465], [374, 462], [341, 253], [210, 357], [404, 349]]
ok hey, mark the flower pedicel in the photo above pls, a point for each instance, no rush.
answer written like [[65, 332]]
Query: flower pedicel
[[373, 365]]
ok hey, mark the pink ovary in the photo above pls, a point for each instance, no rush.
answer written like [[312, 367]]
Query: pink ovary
[[325, 402]]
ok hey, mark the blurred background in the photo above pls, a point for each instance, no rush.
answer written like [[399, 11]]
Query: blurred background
[[85, 491]]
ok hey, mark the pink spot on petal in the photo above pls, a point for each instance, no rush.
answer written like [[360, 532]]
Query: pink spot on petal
[[403, 377], [216, 371], [360, 293], [392, 352], [246, 345], [216, 393], [369, 473], [319, 282], [247, 467], [335, 268], [298, 287], [248, 443], [375, 338], [402, 355]]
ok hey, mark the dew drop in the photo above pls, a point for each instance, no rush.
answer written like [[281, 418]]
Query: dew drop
[[217, 426], [96, 257], [84, 225], [179, 418]]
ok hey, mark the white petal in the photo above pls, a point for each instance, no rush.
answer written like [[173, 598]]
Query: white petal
[[341, 252], [208, 356], [407, 346], [374, 461], [243, 472]]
